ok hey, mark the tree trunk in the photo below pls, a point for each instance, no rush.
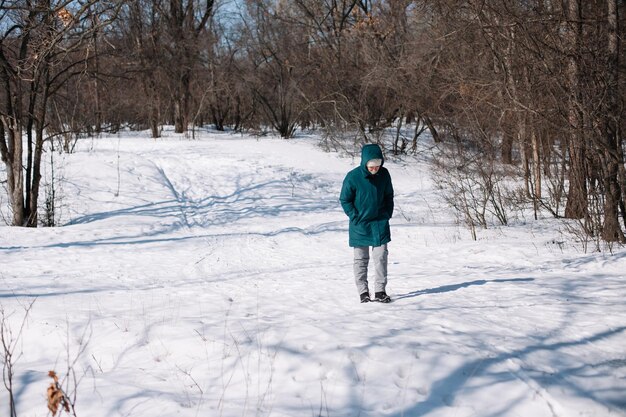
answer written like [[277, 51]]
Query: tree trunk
[[36, 178], [181, 104], [15, 175], [396, 148], [576, 207], [96, 83], [179, 123], [612, 152], [154, 121], [534, 140], [520, 123], [432, 129], [33, 196], [507, 149], [29, 151]]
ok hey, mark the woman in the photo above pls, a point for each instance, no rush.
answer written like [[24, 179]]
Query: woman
[[367, 199]]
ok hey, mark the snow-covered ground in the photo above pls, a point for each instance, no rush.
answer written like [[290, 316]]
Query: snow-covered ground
[[212, 277]]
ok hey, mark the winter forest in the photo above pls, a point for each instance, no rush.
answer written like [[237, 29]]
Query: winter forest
[[530, 89], [171, 242]]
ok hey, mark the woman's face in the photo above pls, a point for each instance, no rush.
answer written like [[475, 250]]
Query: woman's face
[[373, 169]]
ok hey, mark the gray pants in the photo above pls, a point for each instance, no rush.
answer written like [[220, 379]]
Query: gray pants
[[361, 260]]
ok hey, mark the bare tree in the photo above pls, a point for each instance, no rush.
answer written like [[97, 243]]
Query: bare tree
[[38, 55], [185, 21], [612, 151], [566, 128], [145, 30], [279, 63]]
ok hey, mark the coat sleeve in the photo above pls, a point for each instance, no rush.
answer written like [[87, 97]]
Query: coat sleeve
[[346, 198], [388, 198]]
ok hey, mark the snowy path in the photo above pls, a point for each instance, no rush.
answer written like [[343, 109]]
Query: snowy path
[[213, 277]]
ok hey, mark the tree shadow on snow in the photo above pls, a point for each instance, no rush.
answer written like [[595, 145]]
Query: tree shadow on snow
[[284, 197], [288, 195], [455, 287], [443, 392], [161, 236], [41, 294]]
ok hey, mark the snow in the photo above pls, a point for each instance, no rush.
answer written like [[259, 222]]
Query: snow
[[212, 277]]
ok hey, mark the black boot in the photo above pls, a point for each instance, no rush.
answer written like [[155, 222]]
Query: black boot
[[382, 297], [365, 297]]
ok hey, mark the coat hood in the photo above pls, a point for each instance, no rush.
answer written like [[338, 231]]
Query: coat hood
[[371, 151]]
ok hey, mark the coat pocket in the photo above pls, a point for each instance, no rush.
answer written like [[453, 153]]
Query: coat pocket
[[362, 230]]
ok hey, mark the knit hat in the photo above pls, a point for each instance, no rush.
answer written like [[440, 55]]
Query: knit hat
[[374, 163]]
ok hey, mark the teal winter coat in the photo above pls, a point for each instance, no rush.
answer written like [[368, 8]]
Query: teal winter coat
[[368, 201]]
